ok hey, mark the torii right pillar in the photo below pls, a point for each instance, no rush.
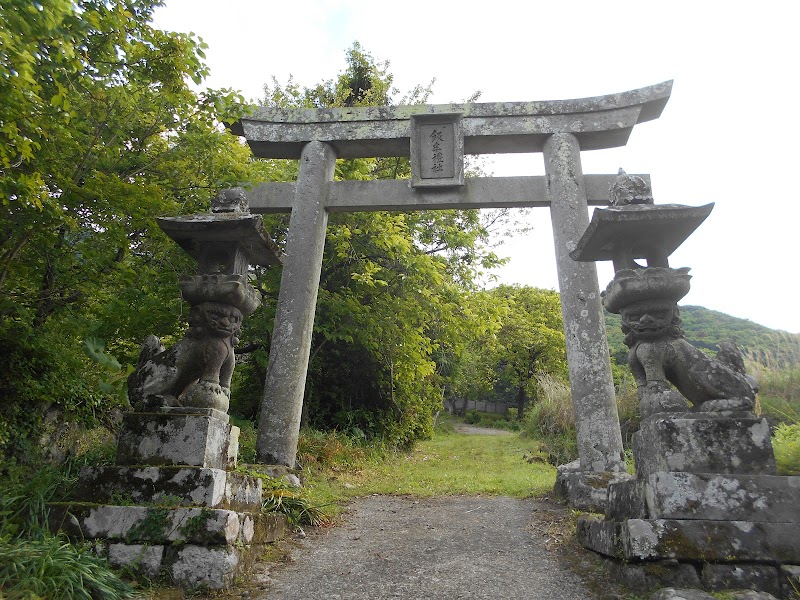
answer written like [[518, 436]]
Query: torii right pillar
[[600, 449]]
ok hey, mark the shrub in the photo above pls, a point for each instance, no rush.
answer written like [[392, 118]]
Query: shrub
[[786, 443], [492, 420]]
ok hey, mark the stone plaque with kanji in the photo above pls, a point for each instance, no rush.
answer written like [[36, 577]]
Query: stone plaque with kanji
[[437, 150]]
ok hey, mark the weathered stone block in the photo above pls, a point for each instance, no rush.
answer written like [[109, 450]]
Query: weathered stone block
[[143, 559], [140, 524], [711, 541], [626, 500], [641, 578], [159, 439], [196, 486], [723, 497], [716, 577], [155, 525], [586, 490], [200, 566], [701, 443], [601, 536]]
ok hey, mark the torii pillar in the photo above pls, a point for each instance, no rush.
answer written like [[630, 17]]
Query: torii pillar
[[591, 383], [559, 129]]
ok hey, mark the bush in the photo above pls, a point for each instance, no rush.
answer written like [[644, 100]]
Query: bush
[[492, 420], [786, 443]]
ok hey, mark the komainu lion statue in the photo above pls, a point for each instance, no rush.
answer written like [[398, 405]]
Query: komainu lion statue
[[196, 372], [659, 356]]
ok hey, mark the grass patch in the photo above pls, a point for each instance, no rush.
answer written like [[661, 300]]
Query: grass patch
[[448, 464]]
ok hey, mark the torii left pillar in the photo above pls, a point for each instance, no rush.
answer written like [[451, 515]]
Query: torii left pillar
[[282, 403]]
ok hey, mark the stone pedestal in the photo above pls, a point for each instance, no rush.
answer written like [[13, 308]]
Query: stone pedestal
[[170, 507], [705, 509]]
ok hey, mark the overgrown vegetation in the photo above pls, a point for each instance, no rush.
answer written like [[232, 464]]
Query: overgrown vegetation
[[507, 422], [35, 563], [101, 134], [448, 463]]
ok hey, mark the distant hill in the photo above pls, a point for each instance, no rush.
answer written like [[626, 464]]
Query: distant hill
[[706, 328]]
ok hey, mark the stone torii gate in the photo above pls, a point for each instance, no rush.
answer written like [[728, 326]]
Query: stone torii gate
[[436, 137]]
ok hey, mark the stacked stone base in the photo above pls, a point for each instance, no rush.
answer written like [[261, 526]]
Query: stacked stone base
[[170, 509], [706, 509], [586, 490]]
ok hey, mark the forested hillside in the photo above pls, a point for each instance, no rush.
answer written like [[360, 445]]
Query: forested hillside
[[706, 328]]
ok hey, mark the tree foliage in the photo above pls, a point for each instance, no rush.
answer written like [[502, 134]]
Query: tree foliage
[[99, 134], [523, 340]]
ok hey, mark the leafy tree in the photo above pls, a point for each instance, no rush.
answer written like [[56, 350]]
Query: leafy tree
[[524, 341], [99, 134]]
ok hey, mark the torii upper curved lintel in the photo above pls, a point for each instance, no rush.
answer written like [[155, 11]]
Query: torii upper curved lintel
[[489, 128]]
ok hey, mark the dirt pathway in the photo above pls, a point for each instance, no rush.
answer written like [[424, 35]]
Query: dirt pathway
[[439, 548], [473, 430]]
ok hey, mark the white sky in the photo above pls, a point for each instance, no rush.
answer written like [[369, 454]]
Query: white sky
[[727, 135]]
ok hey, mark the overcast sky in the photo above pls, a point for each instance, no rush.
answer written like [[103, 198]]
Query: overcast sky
[[727, 135]]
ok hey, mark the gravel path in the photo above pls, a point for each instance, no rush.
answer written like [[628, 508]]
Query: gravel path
[[436, 548], [473, 430]]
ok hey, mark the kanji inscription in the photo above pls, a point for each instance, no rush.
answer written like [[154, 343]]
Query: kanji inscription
[[437, 151]]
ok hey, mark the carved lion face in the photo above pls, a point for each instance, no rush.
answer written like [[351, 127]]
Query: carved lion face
[[224, 321], [217, 320], [649, 320]]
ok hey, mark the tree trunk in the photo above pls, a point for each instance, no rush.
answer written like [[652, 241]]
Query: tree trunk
[[520, 402]]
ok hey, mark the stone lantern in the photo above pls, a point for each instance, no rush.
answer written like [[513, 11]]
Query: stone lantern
[[646, 298], [706, 508], [172, 505]]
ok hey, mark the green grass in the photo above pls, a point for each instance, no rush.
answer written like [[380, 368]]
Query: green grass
[[36, 564], [53, 568], [448, 464]]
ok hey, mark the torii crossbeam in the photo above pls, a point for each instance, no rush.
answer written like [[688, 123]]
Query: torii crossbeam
[[436, 137]]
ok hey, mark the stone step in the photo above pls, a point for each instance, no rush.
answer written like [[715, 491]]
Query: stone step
[[695, 540], [194, 486], [162, 439], [156, 525], [703, 443], [190, 566], [717, 497]]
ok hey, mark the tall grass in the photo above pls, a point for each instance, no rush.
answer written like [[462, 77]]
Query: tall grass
[[552, 420], [37, 564], [778, 377], [786, 443], [53, 568]]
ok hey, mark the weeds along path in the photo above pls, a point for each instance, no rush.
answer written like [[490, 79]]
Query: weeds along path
[[432, 548]]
